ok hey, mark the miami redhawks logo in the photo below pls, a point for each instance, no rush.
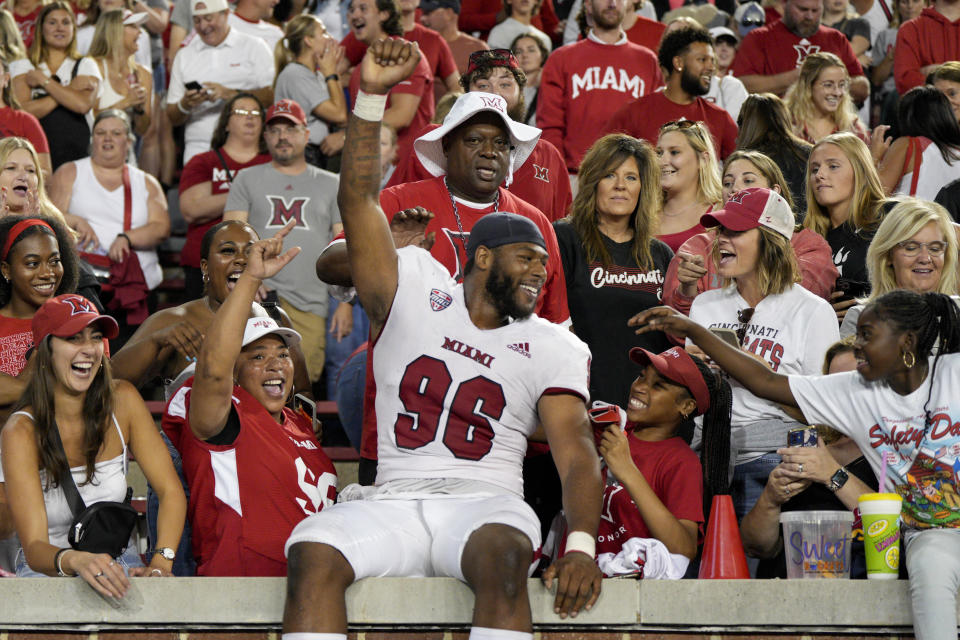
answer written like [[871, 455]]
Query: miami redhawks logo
[[803, 49], [439, 300], [283, 211], [738, 197], [494, 102], [541, 173], [79, 305]]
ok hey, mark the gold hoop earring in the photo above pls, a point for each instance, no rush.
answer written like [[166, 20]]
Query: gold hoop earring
[[912, 359]]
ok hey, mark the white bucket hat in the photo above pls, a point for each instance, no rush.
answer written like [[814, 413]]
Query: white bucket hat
[[523, 138]]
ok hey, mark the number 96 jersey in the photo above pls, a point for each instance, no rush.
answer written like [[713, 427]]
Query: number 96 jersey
[[457, 401]]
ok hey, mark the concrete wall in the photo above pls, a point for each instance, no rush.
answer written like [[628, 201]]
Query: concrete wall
[[440, 609]]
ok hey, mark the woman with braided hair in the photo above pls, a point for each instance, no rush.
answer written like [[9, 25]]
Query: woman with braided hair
[[902, 401], [665, 483]]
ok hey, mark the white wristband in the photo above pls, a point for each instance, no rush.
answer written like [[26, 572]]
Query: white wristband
[[581, 541], [370, 107], [185, 112]]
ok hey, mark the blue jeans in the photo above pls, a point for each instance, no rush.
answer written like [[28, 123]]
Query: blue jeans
[[349, 396], [933, 561], [749, 479], [338, 352], [184, 564]]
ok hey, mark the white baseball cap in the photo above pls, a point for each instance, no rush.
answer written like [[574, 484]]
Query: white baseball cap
[[203, 7], [263, 326], [523, 138], [752, 208]]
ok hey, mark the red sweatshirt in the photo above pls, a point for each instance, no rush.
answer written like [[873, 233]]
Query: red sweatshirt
[[927, 39], [583, 84]]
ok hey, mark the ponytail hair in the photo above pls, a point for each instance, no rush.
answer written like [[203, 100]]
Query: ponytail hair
[[933, 317], [290, 46], [715, 446]]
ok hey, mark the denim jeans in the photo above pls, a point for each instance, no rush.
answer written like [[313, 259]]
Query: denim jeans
[[933, 561], [184, 564], [749, 479], [338, 352], [349, 395]]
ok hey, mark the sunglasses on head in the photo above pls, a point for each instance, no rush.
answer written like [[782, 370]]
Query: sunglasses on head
[[744, 316], [491, 57], [678, 124]]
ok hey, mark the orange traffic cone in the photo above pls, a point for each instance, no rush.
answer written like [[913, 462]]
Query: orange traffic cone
[[723, 556]]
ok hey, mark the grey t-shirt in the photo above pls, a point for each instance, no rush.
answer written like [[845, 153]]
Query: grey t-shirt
[[308, 89], [271, 199]]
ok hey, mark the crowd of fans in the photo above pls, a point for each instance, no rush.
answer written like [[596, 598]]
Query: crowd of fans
[[641, 136]]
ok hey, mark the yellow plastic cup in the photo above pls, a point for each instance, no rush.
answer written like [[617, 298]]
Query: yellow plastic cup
[[880, 513]]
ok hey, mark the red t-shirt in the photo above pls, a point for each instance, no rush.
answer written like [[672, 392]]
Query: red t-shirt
[[541, 180], [246, 497], [773, 49], [432, 44], [15, 122], [643, 119], [481, 16], [673, 471], [206, 167], [646, 32], [419, 84], [583, 84], [16, 337], [449, 249], [27, 24], [674, 240]]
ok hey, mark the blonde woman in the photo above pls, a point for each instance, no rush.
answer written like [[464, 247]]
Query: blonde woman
[[607, 238], [127, 85], [22, 181], [11, 44], [689, 177], [946, 80], [58, 86], [819, 102], [307, 59], [844, 195], [915, 248]]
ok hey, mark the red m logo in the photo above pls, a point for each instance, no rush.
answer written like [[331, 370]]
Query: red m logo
[[283, 211], [541, 173], [79, 304], [497, 103]]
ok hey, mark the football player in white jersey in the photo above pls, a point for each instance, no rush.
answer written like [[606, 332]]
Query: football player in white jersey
[[468, 374]]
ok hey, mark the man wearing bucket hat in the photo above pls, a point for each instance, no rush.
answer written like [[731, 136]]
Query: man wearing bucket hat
[[449, 495], [222, 60], [541, 179], [254, 467]]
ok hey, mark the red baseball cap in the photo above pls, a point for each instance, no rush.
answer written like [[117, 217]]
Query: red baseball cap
[[752, 208], [288, 110], [67, 314], [676, 365]]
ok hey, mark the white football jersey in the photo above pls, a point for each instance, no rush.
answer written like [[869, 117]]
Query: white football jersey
[[456, 401]]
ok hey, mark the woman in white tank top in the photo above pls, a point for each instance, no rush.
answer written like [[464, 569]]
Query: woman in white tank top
[[71, 390]]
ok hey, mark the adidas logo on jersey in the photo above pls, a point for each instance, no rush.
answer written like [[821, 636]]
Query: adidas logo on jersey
[[439, 300], [523, 348]]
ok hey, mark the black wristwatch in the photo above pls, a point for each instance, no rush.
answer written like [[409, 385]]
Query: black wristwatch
[[838, 479], [332, 76]]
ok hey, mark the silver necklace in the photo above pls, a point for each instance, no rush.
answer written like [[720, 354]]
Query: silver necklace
[[456, 212]]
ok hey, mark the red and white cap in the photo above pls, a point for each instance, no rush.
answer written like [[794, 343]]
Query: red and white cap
[[264, 326], [752, 208], [69, 314], [204, 7], [676, 365], [523, 138], [134, 19], [288, 110]]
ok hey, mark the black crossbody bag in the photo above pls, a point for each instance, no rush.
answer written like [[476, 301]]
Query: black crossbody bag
[[103, 527]]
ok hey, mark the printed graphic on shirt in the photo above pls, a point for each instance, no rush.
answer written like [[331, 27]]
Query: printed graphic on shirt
[[320, 491], [283, 211], [804, 49], [608, 78], [758, 339], [12, 349], [631, 278]]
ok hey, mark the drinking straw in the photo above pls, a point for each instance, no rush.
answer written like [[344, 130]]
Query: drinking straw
[[887, 457]]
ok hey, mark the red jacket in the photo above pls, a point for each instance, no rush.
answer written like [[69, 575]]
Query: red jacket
[[927, 39]]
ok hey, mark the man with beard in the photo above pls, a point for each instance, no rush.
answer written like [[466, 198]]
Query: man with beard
[[457, 403], [686, 55], [583, 84], [267, 197], [769, 57], [542, 179], [471, 154]]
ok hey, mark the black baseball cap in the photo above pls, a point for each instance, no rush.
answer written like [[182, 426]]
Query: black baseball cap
[[497, 229]]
